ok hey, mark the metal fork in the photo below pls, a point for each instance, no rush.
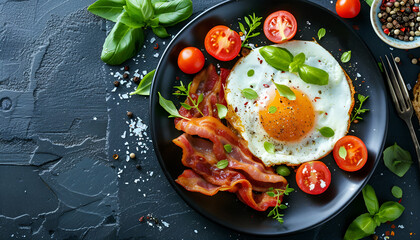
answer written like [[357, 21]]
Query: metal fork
[[401, 98]]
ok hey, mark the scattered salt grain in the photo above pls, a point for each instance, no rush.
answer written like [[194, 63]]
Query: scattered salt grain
[[152, 40], [156, 55]]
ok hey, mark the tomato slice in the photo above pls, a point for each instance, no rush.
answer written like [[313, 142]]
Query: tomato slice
[[280, 26], [223, 43], [313, 177], [356, 153]]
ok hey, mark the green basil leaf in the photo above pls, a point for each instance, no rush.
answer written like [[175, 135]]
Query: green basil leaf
[[285, 91], [313, 75], [298, 60], [222, 164], [108, 9], [321, 33], [250, 94], [160, 32], [342, 152], [272, 109], [346, 57], [271, 194], [228, 148], [369, 2], [186, 106], [169, 106], [250, 73], [200, 99], [361, 227], [269, 147], [397, 160], [326, 131], [129, 21], [397, 192], [170, 13], [371, 201], [278, 58], [144, 86], [221, 110], [283, 170], [389, 211], [121, 44], [141, 10]]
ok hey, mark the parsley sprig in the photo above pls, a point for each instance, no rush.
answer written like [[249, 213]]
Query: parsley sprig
[[360, 110], [182, 91], [253, 22], [277, 193]]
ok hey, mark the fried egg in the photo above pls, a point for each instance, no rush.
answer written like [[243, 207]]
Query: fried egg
[[291, 126]]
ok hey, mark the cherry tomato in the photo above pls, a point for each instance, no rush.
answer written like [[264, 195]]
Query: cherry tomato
[[223, 43], [347, 8], [313, 177], [356, 153], [190, 60], [280, 26]]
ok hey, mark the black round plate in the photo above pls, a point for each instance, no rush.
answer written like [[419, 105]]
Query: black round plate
[[305, 211]]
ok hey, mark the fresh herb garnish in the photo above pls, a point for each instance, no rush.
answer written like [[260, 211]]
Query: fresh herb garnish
[[369, 2], [397, 160], [282, 59], [222, 164], [365, 224], [321, 33], [182, 91], [250, 73], [346, 57], [269, 147], [272, 109], [285, 91], [283, 170], [253, 22], [396, 192], [250, 94], [228, 148], [144, 86], [221, 110], [359, 110], [132, 17], [278, 193], [169, 106], [326, 131], [342, 152]]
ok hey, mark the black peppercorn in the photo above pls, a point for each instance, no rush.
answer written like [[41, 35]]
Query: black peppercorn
[[138, 166], [136, 80], [125, 75], [116, 83], [129, 114]]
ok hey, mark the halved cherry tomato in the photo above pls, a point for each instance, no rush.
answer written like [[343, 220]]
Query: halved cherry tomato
[[191, 60], [223, 43], [356, 153], [347, 8], [280, 26], [313, 177]]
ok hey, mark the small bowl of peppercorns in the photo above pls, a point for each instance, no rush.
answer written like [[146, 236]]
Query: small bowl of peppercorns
[[397, 22]]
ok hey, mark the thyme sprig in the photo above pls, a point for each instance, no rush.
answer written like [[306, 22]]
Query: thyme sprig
[[360, 110], [253, 22], [278, 193], [182, 91]]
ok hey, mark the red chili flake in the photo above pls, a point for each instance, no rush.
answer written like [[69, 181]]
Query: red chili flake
[[399, 201], [141, 219], [236, 109], [319, 60], [392, 226], [261, 61], [177, 78], [392, 233], [156, 47], [363, 81], [402, 10], [356, 27], [326, 113], [316, 98], [339, 49], [246, 104], [147, 217], [282, 71], [402, 29], [266, 85], [255, 102], [415, 9], [386, 31], [387, 233]]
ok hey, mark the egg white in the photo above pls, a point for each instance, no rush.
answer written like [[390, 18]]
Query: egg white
[[332, 104]]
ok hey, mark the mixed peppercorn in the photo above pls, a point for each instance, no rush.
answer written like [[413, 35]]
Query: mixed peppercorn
[[400, 19]]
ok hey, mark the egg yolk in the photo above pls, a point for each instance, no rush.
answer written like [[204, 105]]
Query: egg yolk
[[288, 120]]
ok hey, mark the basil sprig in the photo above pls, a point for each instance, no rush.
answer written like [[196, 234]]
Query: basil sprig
[[397, 160], [282, 59], [365, 224], [285, 91], [132, 17]]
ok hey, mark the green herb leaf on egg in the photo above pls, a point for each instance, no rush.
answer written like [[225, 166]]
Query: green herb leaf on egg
[[250, 73], [278, 58], [269, 147], [272, 109], [326, 131], [222, 164], [285, 91], [250, 94], [298, 61]]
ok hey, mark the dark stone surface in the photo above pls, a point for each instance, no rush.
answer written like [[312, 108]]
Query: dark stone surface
[[61, 120]]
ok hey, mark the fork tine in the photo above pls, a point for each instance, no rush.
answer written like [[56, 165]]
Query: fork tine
[[402, 85], [391, 88], [397, 88]]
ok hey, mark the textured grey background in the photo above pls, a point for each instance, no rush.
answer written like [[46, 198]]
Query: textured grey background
[[61, 120]]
